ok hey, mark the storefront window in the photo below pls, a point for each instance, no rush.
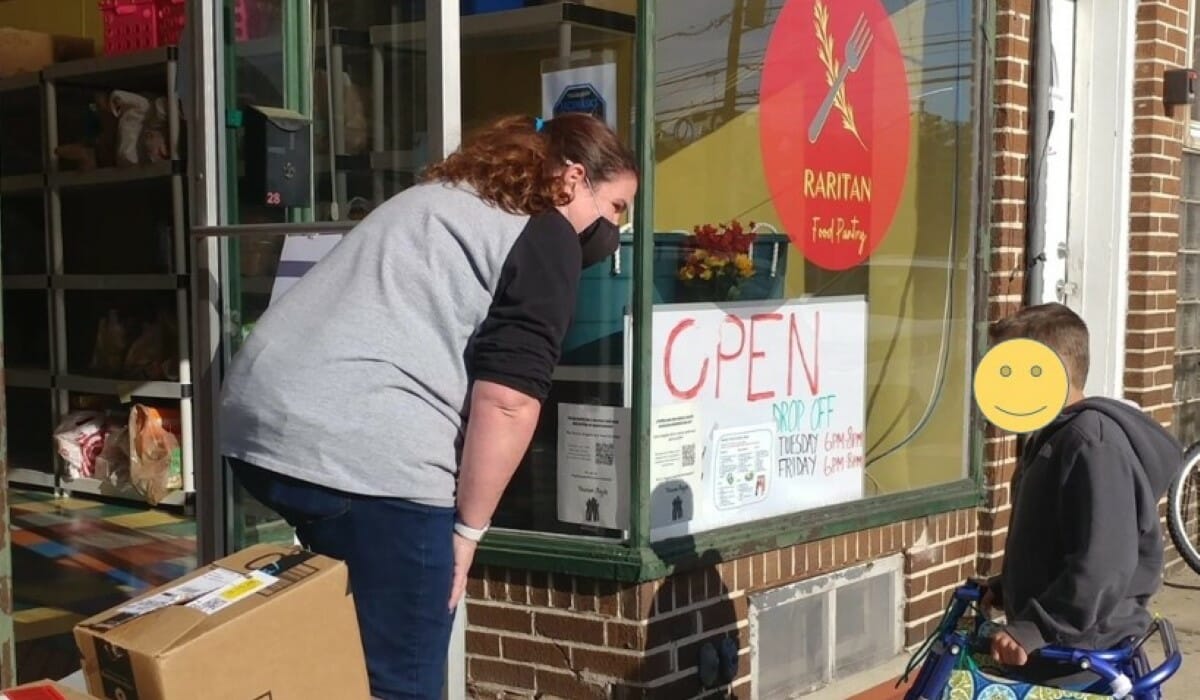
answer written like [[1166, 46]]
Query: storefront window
[[371, 69], [812, 217], [548, 58], [812, 224]]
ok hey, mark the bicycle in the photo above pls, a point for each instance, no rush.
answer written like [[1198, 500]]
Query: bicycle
[[949, 670], [1183, 509]]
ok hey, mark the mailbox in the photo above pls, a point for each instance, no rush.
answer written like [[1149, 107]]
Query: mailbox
[[1179, 87], [278, 156]]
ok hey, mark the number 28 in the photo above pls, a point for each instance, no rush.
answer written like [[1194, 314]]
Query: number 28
[[274, 198]]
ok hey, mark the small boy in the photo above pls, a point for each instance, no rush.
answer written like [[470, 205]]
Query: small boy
[[1085, 551]]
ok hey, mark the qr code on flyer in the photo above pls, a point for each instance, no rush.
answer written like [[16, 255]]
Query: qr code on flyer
[[688, 455], [604, 453]]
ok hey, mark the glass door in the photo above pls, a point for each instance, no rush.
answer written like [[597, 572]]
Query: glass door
[[361, 94]]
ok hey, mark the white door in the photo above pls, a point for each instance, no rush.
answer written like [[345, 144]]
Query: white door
[[1056, 278]]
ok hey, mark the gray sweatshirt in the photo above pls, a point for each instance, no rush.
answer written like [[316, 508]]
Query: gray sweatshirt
[[358, 377], [1085, 548]]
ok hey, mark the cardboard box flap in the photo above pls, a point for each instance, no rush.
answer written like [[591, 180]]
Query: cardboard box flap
[[154, 633]]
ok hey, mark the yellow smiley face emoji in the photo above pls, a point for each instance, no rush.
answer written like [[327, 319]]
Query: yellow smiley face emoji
[[1021, 385]]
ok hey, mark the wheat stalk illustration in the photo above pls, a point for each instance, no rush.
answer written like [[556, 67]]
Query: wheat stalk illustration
[[826, 51]]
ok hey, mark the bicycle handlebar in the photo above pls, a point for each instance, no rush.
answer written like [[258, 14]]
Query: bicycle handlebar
[[1102, 663]]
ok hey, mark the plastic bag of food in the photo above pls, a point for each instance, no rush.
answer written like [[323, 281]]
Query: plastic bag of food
[[154, 453], [79, 439], [112, 465], [153, 355], [108, 353]]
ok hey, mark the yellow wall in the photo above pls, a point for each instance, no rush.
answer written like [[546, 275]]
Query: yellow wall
[[67, 17]]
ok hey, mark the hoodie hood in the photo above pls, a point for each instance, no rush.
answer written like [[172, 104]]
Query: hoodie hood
[[1159, 454]]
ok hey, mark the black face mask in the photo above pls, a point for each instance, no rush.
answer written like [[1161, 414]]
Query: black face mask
[[599, 241]]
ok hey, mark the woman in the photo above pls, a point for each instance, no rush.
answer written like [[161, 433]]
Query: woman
[[347, 409]]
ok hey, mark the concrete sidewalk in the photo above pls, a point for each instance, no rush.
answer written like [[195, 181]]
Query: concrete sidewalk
[[1179, 602]]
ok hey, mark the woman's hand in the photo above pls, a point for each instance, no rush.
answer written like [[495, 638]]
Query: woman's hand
[[464, 554]]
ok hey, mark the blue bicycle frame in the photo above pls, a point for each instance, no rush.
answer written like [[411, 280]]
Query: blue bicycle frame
[[1124, 668]]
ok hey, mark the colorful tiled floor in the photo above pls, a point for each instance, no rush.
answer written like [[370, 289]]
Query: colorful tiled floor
[[73, 558]]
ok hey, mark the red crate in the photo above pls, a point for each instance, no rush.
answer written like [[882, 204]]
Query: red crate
[[135, 25], [130, 25]]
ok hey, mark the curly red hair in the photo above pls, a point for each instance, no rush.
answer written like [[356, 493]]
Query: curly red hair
[[517, 167]]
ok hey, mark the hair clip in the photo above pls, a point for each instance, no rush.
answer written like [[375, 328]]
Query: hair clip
[[538, 123]]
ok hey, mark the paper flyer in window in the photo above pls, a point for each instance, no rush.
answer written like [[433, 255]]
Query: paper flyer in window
[[593, 465], [742, 466], [675, 468]]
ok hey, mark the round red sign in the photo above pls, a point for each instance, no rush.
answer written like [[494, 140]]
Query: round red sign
[[834, 110]]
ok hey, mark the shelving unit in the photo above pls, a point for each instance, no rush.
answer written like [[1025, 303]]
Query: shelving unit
[[334, 54], [64, 275], [561, 26]]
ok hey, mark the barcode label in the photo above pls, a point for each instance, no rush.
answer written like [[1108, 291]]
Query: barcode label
[[222, 598], [188, 590]]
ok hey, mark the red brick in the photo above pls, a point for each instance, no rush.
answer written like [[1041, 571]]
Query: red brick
[[483, 615], [562, 590], [608, 663], [669, 629], [568, 685], [724, 613], [531, 651], [482, 643], [743, 573], [626, 635], [665, 597], [637, 600], [539, 589], [771, 573], [500, 673], [568, 628], [607, 602]]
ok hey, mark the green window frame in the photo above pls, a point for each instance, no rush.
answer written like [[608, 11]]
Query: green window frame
[[636, 559]]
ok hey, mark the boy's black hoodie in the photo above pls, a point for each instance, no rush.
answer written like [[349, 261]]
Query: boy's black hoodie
[[1084, 552]]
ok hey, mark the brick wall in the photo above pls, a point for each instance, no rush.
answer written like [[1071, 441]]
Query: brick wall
[[556, 636], [1010, 187], [1162, 41], [1163, 35]]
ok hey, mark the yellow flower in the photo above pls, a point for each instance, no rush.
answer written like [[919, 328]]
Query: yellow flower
[[687, 273], [707, 274], [744, 265]]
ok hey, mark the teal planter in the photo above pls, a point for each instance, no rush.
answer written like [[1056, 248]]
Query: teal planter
[[596, 336]]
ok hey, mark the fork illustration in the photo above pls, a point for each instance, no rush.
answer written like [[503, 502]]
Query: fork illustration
[[856, 49]]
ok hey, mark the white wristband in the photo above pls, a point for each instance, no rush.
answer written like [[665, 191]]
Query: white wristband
[[467, 532]]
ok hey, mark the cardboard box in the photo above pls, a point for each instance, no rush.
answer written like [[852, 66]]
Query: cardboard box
[[24, 51], [43, 690], [267, 622]]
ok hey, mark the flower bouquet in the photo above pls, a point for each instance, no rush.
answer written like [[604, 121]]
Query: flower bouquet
[[717, 262]]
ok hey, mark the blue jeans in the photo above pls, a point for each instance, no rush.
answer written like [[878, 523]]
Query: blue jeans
[[401, 561]]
